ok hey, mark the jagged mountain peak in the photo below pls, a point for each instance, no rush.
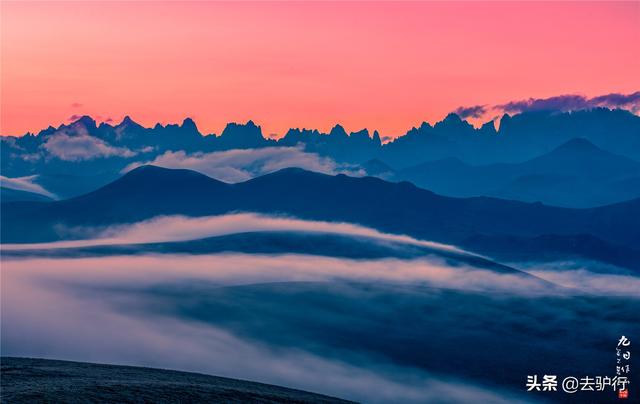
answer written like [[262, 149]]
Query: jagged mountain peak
[[128, 123], [188, 123], [86, 121], [250, 129], [338, 130]]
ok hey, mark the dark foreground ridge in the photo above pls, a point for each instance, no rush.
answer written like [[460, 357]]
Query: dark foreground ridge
[[480, 224], [43, 380]]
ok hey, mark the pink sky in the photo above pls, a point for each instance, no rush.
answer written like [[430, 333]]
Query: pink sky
[[385, 66]]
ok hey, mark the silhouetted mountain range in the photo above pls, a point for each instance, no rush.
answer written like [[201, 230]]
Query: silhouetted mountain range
[[398, 208], [518, 138], [521, 160]]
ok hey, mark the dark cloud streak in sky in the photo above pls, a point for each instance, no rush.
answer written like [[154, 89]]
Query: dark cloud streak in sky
[[573, 102], [561, 103], [475, 111]]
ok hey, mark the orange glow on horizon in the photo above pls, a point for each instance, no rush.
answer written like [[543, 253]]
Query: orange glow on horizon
[[380, 65]]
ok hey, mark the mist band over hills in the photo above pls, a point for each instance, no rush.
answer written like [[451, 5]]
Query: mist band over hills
[[607, 234]]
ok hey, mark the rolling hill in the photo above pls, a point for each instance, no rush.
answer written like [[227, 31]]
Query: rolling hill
[[46, 381], [400, 208]]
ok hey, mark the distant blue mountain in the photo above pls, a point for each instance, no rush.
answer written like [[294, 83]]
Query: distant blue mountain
[[377, 168], [519, 137], [575, 174], [398, 208]]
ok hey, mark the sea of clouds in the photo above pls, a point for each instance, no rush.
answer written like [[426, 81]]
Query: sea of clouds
[[416, 329]]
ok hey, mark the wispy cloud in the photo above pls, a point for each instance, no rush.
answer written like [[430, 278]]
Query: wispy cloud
[[82, 147], [242, 164], [617, 100], [432, 269], [181, 228], [584, 279], [25, 184], [573, 102], [258, 268], [475, 111], [561, 103]]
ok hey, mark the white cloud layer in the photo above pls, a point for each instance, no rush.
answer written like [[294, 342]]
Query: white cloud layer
[[25, 184], [590, 282], [577, 279], [182, 228], [82, 147], [257, 268], [41, 320], [242, 164]]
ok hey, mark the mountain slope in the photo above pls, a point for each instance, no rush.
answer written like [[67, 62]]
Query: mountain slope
[[15, 195], [580, 156], [549, 248], [44, 380], [576, 174]]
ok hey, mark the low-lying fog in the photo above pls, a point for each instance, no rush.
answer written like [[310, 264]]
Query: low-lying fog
[[375, 330]]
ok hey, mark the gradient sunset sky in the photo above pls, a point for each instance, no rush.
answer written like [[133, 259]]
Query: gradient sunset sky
[[379, 65]]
